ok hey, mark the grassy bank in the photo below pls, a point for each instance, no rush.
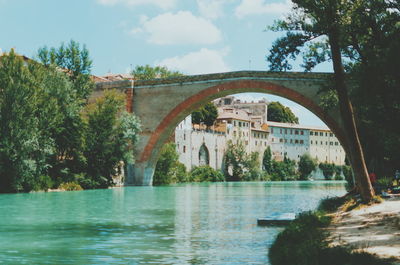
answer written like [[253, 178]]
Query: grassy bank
[[304, 241]]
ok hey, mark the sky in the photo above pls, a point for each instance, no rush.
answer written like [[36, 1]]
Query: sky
[[191, 36]]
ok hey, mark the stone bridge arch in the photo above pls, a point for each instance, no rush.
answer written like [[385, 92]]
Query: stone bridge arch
[[161, 104]]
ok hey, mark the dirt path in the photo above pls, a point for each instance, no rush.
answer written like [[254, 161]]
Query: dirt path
[[374, 229]]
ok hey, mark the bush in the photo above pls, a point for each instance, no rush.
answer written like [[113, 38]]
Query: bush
[[206, 173], [306, 166], [44, 182], [328, 170], [283, 170], [70, 186]]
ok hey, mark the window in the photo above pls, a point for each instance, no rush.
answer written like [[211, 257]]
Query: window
[[302, 132], [291, 141], [184, 136], [331, 134], [326, 134], [301, 141], [326, 143], [256, 142], [296, 132], [311, 133], [234, 133], [272, 139], [296, 141], [281, 140], [240, 124], [265, 143], [291, 131], [184, 149], [330, 143], [336, 143], [311, 142], [272, 130], [234, 123], [321, 134], [322, 143], [285, 131], [280, 130]]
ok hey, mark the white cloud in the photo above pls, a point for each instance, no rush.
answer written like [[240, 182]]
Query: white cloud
[[180, 28], [260, 7], [212, 8], [165, 4], [203, 61]]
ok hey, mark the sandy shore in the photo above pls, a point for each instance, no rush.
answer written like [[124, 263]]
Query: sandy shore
[[374, 229]]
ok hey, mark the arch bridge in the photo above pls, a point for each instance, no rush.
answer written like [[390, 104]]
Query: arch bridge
[[161, 104]]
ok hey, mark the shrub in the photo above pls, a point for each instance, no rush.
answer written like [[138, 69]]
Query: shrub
[[206, 173], [306, 166], [70, 186]]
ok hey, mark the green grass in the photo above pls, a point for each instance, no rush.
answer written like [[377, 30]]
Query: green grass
[[303, 242]]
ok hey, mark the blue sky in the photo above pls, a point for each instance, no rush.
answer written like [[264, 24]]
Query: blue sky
[[192, 36]]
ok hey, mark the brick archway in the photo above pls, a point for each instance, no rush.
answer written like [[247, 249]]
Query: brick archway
[[162, 104]]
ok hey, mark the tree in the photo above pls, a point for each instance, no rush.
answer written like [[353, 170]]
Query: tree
[[26, 112], [75, 62], [110, 137], [206, 114], [306, 166], [267, 160], [168, 168], [206, 173], [148, 72], [279, 113], [309, 21], [236, 160], [328, 170]]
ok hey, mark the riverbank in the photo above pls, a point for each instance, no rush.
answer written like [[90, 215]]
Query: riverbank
[[373, 229], [341, 231]]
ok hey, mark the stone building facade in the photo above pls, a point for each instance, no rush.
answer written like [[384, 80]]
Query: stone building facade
[[247, 122]]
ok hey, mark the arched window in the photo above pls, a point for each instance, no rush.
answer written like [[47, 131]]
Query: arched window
[[204, 157]]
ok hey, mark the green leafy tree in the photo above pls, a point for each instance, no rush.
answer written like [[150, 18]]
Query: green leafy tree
[[320, 27], [146, 72], [279, 113], [236, 160], [25, 113], [206, 174], [206, 114], [284, 170], [328, 170], [75, 62], [306, 166], [110, 137], [267, 160], [168, 168]]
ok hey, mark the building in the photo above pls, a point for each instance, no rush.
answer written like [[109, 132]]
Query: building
[[247, 122]]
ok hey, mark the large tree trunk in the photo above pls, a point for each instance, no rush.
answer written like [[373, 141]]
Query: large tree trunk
[[347, 114]]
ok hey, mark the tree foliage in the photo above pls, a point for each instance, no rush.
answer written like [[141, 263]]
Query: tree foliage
[[267, 160], [110, 136], [240, 166], [306, 166], [328, 30], [279, 113], [75, 62], [168, 168], [206, 114], [145, 72], [206, 174]]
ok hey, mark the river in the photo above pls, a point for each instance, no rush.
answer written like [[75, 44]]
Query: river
[[206, 223]]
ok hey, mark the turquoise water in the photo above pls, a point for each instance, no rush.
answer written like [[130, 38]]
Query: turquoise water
[[182, 224]]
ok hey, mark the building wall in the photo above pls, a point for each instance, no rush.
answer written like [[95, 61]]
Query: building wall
[[325, 147], [291, 142]]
